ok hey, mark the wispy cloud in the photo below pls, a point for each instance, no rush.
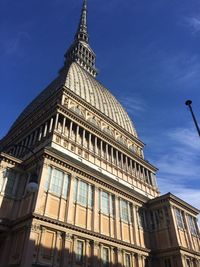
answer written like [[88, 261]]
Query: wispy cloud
[[193, 23], [182, 155], [133, 105], [178, 163], [190, 195]]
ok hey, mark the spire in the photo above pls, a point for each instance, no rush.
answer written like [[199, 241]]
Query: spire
[[82, 33], [80, 51]]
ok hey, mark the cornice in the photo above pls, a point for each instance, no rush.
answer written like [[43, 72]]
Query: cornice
[[169, 197], [88, 232], [8, 158]]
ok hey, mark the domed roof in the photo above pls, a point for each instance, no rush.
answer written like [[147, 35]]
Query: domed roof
[[88, 88]]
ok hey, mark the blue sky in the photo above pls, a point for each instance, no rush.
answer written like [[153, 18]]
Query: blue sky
[[148, 55]]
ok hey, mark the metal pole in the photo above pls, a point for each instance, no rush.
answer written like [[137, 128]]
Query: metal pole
[[188, 103]]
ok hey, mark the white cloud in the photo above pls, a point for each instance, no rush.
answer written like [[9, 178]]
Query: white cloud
[[193, 23], [133, 105], [181, 154]]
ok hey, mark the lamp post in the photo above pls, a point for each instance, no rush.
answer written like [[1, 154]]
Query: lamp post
[[32, 186], [189, 104]]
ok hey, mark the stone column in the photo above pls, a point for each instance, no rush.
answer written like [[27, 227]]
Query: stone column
[[83, 140], [56, 123], [119, 257], [135, 226], [117, 218], [77, 133], [90, 136], [70, 129], [51, 125], [70, 197], [63, 126], [67, 254], [45, 129], [96, 210], [95, 260]]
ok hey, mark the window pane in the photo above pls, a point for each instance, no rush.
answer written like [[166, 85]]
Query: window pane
[[90, 196], [79, 251], [10, 182], [179, 218], [192, 225], [75, 189], [105, 202], [124, 210], [48, 178], [56, 181], [65, 185], [82, 198]]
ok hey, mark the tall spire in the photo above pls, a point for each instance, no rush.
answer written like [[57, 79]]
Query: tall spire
[[82, 33], [80, 51]]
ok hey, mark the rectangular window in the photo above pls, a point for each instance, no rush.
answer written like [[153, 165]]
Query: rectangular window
[[105, 202], [179, 218], [105, 257], [79, 251], [192, 226], [83, 193], [57, 182], [10, 182], [127, 260], [124, 210], [142, 217], [83, 190]]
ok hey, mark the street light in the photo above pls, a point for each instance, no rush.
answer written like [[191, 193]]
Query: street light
[[32, 186], [189, 104]]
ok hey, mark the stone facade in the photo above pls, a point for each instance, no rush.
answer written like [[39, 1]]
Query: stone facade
[[98, 203]]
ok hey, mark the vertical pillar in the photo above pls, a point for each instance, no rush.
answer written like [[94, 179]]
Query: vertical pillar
[[51, 125], [70, 197], [96, 148], [135, 226], [119, 257], [117, 219], [70, 129], [112, 256], [95, 261], [45, 129], [101, 148], [77, 133], [67, 254], [83, 140], [106, 151], [63, 126], [87, 252], [90, 137], [112, 159], [56, 123], [95, 210]]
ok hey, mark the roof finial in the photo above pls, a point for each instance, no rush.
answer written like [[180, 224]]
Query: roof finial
[[82, 33]]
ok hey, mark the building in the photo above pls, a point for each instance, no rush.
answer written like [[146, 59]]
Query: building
[[97, 203]]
